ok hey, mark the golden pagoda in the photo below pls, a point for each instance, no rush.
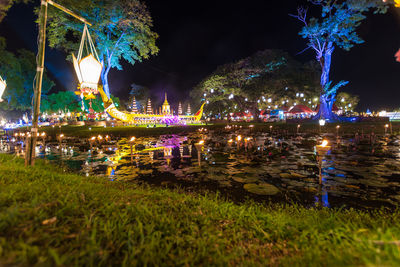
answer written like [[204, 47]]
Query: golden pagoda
[[166, 109]]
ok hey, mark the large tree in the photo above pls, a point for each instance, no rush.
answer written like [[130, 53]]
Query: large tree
[[121, 30], [268, 79], [335, 27], [5, 5], [19, 70]]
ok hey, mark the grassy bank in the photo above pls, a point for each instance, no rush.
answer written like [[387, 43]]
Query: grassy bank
[[48, 217]]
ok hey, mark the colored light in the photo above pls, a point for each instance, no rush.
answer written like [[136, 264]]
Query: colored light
[[324, 143], [3, 86]]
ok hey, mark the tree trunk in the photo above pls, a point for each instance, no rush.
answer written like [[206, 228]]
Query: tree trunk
[[104, 80], [256, 114], [325, 100]]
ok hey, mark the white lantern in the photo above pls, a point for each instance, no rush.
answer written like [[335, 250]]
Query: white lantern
[[3, 86], [88, 71]]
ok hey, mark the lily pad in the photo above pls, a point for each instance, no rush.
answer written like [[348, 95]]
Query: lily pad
[[261, 189]]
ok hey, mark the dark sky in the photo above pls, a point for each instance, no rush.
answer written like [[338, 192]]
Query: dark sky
[[197, 36]]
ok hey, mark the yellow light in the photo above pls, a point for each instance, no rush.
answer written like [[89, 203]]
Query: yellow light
[[132, 139], [61, 135], [248, 139], [100, 137], [43, 134], [397, 3], [93, 138], [3, 86], [386, 125], [324, 143], [239, 137], [230, 141], [298, 126], [201, 142], [337, 127]]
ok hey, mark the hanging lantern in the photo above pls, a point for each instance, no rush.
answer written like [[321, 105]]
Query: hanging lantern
[[3, 86], [88, 69]]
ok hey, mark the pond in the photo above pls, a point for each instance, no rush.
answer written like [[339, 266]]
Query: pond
[[361, 171]]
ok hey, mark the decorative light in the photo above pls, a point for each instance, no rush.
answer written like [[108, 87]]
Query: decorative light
[[322, 122], [212, 90], [324, 143], [301, 95], [269, 100], [132, 139], [88, 69], [3, 86]]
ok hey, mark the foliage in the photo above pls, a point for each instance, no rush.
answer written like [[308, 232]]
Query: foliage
[[19, 70], [141, 94], [5, 5], [336, 27], [121, 30], [61, 101], [50, 217], [69, 101], [347, 101], [267, 79]]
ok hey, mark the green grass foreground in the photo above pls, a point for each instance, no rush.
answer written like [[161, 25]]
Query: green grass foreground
[[48, 218]]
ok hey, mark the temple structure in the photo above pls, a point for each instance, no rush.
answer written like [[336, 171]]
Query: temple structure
[[166, 108]]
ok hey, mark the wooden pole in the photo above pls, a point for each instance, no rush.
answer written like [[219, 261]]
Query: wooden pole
[[30, 148], [31, 144]]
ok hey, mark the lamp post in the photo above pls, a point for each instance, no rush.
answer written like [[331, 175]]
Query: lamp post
[[131, 142], [386, 128], [199, 147], [298, 128], [30, 151], [238, 139], [60, 137], [337, 130], [322, 150]]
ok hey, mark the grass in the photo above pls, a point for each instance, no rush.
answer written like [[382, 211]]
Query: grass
[[49, 217]]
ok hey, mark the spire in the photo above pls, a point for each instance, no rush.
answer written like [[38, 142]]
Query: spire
[[189, 111], [180, 112], [165, 101], [149, 109], [134, 106]]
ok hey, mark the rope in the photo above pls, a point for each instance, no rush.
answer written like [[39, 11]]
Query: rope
[[86, 38]]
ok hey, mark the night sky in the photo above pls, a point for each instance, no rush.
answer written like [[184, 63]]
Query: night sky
[[198, 36]]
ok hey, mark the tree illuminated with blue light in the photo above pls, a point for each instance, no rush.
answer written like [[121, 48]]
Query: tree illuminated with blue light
[[336, 27]]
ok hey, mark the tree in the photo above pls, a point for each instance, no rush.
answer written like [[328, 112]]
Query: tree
[[336, 27], [347, 102], [60, 101], [19, 70], [121, 30], [141, 94], [267, 79], [5, 5]]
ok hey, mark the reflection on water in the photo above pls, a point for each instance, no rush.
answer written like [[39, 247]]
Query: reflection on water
[[358, 171]]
